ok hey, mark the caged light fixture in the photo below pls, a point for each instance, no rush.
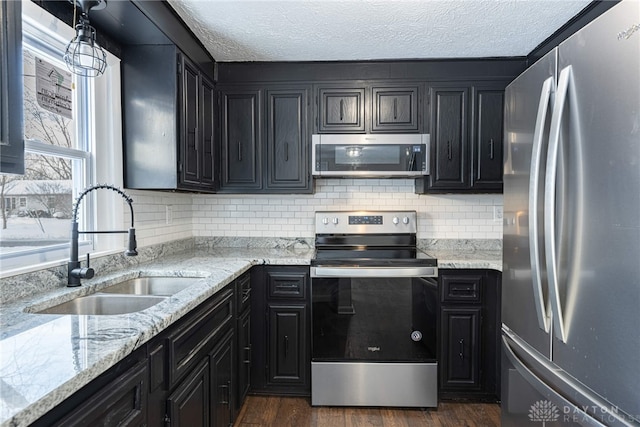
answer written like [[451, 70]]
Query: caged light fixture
[[84, 56]]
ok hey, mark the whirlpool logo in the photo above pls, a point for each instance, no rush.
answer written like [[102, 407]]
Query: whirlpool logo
[[373, 348]]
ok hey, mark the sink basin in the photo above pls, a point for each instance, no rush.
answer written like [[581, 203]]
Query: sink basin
[[104, 304], [165, 286]]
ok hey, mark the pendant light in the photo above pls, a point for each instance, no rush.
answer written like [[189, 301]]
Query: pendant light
[[84, 56]]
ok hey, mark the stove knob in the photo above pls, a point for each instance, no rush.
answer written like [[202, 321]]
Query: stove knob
[[335, 221], [405, 220], [395, 220], [325, 221]]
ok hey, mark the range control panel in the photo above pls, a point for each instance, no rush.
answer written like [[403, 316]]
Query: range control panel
[[365, 222]]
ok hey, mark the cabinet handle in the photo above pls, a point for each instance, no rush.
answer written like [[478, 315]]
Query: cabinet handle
[[449, 150], [248, 352], [286, 346], [286, 151], [227, 390], [239, 151], [341, 109], [395, 108], [461, 354], [491, 148]]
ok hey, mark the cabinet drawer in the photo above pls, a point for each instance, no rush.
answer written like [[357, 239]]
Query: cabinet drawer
[[287, 284], [243, 292], [196, 336], [461, 288], [122, 402]]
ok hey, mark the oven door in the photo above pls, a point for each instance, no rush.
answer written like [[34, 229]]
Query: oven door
[[374, 319]]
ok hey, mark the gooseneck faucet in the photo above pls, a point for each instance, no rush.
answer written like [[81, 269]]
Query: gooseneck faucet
[[74, 269]]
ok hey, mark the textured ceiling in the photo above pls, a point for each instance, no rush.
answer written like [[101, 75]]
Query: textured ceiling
[[321, 30]]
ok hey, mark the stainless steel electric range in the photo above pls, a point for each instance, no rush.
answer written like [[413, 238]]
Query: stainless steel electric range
[[373, 308]]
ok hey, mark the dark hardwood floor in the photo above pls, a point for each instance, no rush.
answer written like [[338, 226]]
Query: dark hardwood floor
[[274, 411]]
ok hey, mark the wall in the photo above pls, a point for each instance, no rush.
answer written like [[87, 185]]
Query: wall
[[290, 216]]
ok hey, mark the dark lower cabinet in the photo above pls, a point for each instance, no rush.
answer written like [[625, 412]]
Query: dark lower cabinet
[[221, 370], [469, 334], [287, 332], [188, 405], [190, 375], [281, 330]]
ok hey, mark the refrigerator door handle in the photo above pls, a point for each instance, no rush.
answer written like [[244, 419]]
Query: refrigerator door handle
[[550, 202], [534, 191]]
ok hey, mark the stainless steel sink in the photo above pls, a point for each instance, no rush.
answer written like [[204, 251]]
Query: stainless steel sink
[[104, 304], [165, 286]]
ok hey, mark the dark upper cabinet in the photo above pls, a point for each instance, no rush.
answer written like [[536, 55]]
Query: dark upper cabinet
[[287, 139], [168, 138], [341, 109], [487, 138], [466, 139], [11, 121], [395, 109], [449, 138], [241, 157], [265, 138]]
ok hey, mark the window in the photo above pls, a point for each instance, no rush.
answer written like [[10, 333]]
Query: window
[[59, 133]]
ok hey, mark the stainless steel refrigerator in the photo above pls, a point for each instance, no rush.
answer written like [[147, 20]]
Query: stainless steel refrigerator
[[571, 274]]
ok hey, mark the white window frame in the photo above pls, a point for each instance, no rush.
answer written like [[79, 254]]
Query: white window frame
[[98, 127]]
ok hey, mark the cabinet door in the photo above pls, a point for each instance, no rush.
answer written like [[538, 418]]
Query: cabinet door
[[221, 364], [449, 164], [395, 109], [189, 159], [341, 110], [244, 357], [460, 348], [188, 405], [207, 130], [287, 140], [287, 343], [241, 159], [487, 139], [122, 403]]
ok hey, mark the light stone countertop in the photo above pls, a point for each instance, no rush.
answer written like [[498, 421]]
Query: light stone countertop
[[45, 358]]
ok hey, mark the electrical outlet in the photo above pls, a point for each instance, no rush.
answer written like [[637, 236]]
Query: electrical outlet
[[168, 214], [498, 213]]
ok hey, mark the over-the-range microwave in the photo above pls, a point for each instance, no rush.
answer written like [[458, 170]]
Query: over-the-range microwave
[[370, 155]]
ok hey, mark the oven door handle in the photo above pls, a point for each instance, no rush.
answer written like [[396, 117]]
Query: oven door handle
[[374, 272]]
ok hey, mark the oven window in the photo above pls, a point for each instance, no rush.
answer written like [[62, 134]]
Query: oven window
[[374, 319]]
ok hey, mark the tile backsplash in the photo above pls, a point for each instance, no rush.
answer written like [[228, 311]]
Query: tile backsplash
[[162, 217]]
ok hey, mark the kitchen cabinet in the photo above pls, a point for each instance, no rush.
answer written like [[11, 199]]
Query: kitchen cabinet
[[221, 370], [395, 108], [11, 104], [466, 135], [117, 397], [265, 139], [469, 334], [487, 138], [169, 137], [197, 128], [188, 405], [243, 329], [341, 109], [344, 108], [280, 339]]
